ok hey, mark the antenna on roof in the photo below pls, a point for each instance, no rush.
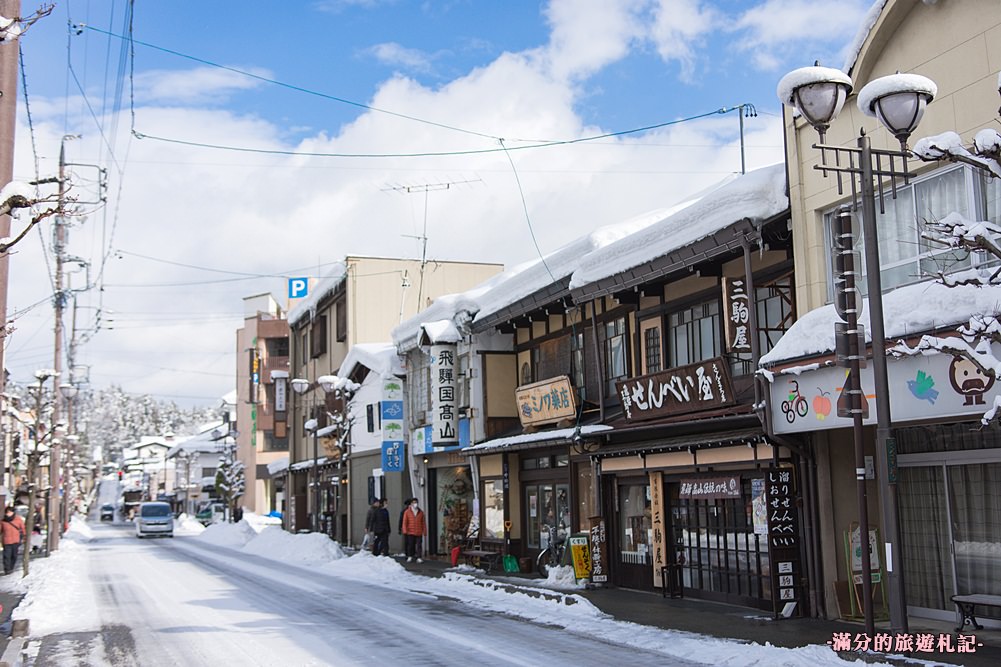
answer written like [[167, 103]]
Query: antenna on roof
[[423, 238]]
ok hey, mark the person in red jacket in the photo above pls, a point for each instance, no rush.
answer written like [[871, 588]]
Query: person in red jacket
[[413, 531], [12, 530]]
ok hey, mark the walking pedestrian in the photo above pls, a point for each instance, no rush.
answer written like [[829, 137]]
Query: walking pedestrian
[[12, 529], [413, 531], [366, 542], [381, 527]]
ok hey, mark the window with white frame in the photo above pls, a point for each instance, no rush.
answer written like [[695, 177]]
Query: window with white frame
[[905, 257]]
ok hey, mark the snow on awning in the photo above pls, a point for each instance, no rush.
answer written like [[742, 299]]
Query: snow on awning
[[527, 440], [439, 331], [306, 465], [275, 375], [278, 466]]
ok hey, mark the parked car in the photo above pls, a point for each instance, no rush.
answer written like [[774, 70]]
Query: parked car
[[107, 512], [211, 513], [154, 518]]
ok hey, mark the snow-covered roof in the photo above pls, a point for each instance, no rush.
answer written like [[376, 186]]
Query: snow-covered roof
[[757, 195], [440, 331], [907, 311], [326, 287], [380, 358], [525, 438], [852, 53], [308, 463]]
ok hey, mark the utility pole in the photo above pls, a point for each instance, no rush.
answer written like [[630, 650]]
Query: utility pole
[[8, 117]]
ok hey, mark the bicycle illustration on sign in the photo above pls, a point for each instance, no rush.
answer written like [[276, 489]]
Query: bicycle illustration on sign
[[796, 403]]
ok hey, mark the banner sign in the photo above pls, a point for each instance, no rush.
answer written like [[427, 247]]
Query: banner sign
[[736, 316], [783, 541], [580, 553], [936, 386], [444, 401], [702, 386], [546, 402], [392, 456], [281, 394], [657, 526], [599, 541], [705, 488], [391, 417]]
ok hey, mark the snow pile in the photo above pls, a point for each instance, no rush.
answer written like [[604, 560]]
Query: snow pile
[[79, 530], [260, 521], [185, 524], [233, 535], [58, 593], [275, 543], [562, 577]]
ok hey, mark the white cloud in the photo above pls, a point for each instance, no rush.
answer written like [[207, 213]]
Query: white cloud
[[201, 85], [776, 29], [393, 54], [589, 34], [678, 27]]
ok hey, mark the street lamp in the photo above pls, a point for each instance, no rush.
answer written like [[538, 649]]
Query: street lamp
[[300, 386], [899, 102]]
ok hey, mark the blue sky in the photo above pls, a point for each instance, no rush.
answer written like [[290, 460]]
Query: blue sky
[[181, 218]]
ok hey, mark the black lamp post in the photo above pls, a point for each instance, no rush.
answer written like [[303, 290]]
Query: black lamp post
[[898, 101]]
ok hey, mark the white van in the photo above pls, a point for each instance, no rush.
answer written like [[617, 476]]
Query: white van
[[154, 519]]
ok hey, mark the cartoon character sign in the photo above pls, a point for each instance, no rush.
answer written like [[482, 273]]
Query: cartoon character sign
[[969, 381]]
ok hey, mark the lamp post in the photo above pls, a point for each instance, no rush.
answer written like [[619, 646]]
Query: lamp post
[[898, 101]]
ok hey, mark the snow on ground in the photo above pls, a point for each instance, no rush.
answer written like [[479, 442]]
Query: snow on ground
[[59, 595]]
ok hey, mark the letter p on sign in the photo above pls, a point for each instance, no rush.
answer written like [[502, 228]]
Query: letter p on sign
[[297, 287]]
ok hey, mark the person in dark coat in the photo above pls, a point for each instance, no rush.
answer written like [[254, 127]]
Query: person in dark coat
[[406, 506], [381, 527]]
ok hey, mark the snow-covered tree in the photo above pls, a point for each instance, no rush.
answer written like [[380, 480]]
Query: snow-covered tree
[[977, 336], [230, 478]]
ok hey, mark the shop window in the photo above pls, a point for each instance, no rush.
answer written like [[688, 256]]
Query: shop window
[[585, 497], [341, 319], [635, 529], [615, 353], [493, 509], [651, 350], [694, 334], [420, 395], [905, 256], [577, 363], [562, 460]]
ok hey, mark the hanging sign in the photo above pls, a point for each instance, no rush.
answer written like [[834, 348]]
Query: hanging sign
[[703, 488], [546, 402], [392, 456], [598, 541], [737, 317], [281, 394], [657, 526], [391, 419], [444, 404], [702, 386]]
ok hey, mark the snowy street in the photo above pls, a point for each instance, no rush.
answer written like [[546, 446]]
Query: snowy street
[[185, 601]]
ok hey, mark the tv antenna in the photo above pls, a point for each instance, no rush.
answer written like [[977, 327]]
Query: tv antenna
[[423, 237]]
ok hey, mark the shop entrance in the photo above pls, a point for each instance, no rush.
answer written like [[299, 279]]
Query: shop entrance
[[547, 506], [721, 556]]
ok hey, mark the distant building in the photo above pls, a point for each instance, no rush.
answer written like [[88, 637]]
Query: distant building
[[262, 352]]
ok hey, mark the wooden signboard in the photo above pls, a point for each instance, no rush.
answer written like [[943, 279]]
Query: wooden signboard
[[702, 386]]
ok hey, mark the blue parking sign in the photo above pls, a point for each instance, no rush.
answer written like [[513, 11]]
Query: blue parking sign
[[298, 287]]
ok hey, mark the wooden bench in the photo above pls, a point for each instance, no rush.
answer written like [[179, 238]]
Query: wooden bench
[[966, 603], [482, 558]]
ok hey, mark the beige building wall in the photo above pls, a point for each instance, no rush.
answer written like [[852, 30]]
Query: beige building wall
[[957, 45]]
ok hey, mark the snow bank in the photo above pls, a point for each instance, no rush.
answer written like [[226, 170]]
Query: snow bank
[[233, 535], [187, 525], [273, 542]]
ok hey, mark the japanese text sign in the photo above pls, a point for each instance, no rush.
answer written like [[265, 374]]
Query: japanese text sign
[[444, 401], [392, 456], [702, 386], [703, 488], [736, 315], [783, 536], [546, 402]]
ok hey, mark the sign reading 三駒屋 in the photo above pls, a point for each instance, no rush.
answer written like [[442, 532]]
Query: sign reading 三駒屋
[[658, 527], [444, 403], [546, 402], [736, 315], [702, 386]]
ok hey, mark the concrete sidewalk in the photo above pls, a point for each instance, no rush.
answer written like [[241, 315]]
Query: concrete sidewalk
[[741, 623]]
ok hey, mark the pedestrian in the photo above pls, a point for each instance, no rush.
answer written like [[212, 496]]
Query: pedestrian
[[12, 529], [381, 527], [366, 542], [413, 531], [406, 506]]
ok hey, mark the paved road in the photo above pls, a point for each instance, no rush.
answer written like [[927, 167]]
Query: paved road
[[184, 602]]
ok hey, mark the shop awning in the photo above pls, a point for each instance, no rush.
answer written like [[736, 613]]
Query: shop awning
[[523, 441], [729, 438]]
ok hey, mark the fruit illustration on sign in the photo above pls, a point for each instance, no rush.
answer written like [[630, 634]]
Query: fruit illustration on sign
[[822, 404]]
